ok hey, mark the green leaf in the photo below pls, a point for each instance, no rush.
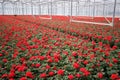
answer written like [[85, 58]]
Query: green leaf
[[69, 68]]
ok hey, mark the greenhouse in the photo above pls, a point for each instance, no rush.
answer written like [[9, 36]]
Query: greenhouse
[[59, 39]]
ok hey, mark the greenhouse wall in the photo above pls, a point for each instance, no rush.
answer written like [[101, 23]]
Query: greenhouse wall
[[63, 7]]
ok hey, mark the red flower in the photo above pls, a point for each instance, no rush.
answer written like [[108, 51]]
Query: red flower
[[50, 60], [54, 68], [23, 78], [74, 54], [41, 58], [114, 47], [51, 73], [115, 60], [76, 65], [47, 66], [109, 38], [117, 40], [21, 68], [56, 56], [118, 79], [85, 62], [11, 79], [43, 75], [4, 75], [4, 60], [56, 60], [86, 73], [99, 37], [110, 64], [100, 75], [12, 70], [70, 77], [100, 43], [65, 52], [107, 53], [114, 76], [37, 65], [29, 74], [93, 43], [11, 75], [22, 59], [1, 55], [83, 69], [70, 58], [78, 75], [60, 72]]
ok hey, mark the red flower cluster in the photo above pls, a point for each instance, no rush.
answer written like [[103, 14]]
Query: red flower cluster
[[74, 54], [1, 55], [100, 75], [21, 68], [11, 74], [23, 78], [29, 74], [60, 72], [78, 75], [70, 77], [51, 73], [114, 76], [37, 65], [85, 71], [76, 65], [43, 75]]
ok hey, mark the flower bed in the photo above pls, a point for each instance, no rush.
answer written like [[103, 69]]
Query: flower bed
[[32, 52]]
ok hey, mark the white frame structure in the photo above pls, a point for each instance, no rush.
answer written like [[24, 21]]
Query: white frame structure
[[49, 11], [98, 23], [49, 3], [119, 11], [20, 8]]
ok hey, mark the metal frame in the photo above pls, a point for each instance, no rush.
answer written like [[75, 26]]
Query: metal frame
[[51, 8], [5, 8], [119, 10], [2, 8], [41, 17], [99, 23]]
